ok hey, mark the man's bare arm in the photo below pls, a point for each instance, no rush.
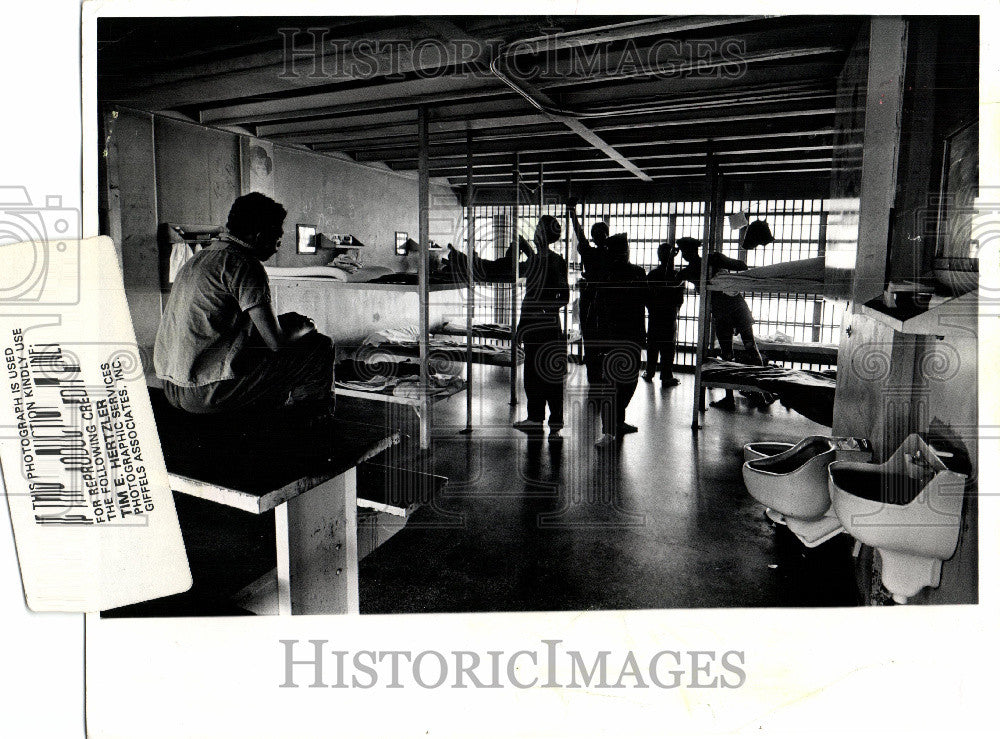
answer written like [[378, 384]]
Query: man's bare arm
[[733, 265], [267, 326], [581, 236]]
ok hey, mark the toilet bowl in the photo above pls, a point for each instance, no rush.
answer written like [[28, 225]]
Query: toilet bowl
[[792, 484], [909, 508]]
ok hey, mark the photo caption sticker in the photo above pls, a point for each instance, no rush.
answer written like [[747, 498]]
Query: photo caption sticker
[[94, 520]]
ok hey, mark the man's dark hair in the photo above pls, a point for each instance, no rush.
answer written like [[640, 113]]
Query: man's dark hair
[[687, 244], [598, 228], [550, 228], [617, 247], [253, 214]]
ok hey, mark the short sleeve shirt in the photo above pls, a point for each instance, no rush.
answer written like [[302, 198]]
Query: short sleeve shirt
[[206, 321]]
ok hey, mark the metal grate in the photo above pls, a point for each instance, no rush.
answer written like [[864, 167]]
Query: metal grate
[[798, 226]]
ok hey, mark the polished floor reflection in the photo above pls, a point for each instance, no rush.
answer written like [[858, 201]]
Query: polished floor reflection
[[661, 520]]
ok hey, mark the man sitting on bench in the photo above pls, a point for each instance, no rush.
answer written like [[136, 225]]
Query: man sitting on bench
[[220, 347]]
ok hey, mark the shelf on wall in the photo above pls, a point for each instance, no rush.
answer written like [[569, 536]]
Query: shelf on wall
[[944, 317], [341, 285]]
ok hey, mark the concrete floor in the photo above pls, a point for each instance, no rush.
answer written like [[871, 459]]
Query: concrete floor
[[531, 524], [663, 521]]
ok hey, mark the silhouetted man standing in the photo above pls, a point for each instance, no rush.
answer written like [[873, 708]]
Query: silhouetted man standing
[[664, 295], [592, 257], [540, 332], [621, 318]]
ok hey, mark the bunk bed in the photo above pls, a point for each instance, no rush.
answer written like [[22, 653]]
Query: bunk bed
[[350, 312], [807, 392], [442, 346], [482, 338], [442, 349]]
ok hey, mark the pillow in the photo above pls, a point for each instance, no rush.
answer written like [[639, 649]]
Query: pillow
[[364, 274], [319, 270]]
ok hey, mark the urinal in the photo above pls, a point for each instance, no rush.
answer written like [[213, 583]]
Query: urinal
[[909, 508], [792, 484], [761, 449]]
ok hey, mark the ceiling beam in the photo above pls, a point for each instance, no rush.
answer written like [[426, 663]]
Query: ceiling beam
[[405, 94], [486, 160], [358, 135], [540, 100], [455, 89], [374, 132], [682, 65], [667, 173], [650, 161], [489, 113], [555, 144], [661, 26], [519, 139], [699, 164], [165, 56]]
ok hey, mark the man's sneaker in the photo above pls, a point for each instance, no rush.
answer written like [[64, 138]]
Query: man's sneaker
[[627, 428], [606, 441], [528, 426], [647, 377], [726, 404], [669, 382]]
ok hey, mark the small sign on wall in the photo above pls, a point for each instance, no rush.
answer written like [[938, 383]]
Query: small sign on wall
[[401, 246], [305, 239]]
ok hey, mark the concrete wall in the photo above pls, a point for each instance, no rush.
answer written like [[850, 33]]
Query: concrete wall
[[340, 197], [179, 172]]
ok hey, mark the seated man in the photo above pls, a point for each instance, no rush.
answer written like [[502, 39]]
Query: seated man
[[220, 347], [730, 313]]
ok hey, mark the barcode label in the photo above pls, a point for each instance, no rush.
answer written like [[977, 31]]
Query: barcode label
[[80, 449], [94, 519]]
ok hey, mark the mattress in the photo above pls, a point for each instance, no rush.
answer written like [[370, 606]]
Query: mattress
[[799, 276], [365, 274], [804, 391]]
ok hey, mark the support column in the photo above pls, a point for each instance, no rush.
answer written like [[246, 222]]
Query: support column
[[470, 245], [517, 275], [880, 156], [704, 311], [423, 207], [111, 194], [567, 230], [817, 335], [541, 188]]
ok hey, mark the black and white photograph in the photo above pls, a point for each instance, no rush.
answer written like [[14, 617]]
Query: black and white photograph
[[663, 325], [563, 324]]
